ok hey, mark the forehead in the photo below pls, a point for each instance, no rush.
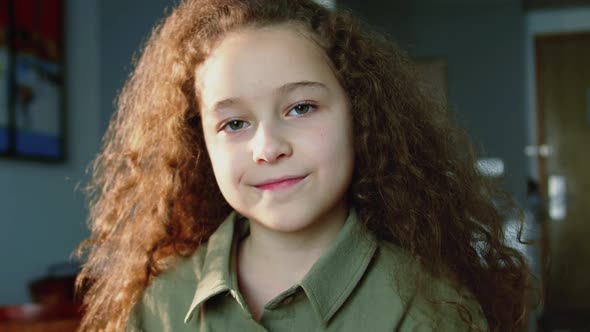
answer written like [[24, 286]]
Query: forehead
[[253, 62]]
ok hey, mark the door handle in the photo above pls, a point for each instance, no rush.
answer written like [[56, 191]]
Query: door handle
[[557, 192]]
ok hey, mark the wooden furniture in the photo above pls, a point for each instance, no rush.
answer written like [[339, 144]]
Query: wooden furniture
[[40, 318]]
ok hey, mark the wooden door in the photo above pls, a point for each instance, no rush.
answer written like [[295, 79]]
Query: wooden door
[[563, 112]]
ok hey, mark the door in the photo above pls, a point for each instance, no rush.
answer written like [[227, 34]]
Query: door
[[563, 113]]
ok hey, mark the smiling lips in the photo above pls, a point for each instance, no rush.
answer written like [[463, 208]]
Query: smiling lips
[[280, 183]]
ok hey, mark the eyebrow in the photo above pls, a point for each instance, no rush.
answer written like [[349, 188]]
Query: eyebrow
[[282, 90]]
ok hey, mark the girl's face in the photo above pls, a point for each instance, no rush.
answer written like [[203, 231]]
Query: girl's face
[[277, 126]]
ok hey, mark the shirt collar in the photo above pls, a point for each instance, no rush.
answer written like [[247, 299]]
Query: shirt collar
[[343, 264], [215, 273]]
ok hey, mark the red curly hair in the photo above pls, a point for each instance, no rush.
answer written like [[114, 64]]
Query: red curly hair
[[153, 196]]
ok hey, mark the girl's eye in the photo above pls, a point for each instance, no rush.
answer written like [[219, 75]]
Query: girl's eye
[[297, 110], [301, 109], [234, 125]]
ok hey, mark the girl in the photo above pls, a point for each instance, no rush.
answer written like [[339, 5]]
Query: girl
[[274, 166]]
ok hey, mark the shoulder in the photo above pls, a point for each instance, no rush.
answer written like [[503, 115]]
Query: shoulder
[[168, 296], [431, 303], [180, 271]]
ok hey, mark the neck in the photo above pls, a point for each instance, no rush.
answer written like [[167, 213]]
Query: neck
[[290, 255]]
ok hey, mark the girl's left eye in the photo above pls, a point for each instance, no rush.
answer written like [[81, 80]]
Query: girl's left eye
[[301, 109]]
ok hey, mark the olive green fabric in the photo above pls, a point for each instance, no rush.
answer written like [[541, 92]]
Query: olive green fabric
[[359, 284]]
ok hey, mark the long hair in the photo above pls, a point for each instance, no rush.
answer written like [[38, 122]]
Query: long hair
[[153, 196]]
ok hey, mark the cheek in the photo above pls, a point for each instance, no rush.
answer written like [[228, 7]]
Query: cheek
[[227, 164], [331, 145]]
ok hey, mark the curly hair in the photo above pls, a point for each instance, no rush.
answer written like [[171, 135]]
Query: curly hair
[[153, 196]]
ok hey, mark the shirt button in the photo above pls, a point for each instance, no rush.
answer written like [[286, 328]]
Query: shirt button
[[288, 300]]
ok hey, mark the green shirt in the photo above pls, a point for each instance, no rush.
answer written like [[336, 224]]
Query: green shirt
[[359, 284]]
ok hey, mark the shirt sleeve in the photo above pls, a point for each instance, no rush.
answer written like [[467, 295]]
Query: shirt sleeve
[[445, 318], [442, 308]]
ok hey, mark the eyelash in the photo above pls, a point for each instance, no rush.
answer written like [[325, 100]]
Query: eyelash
[[310, 105]]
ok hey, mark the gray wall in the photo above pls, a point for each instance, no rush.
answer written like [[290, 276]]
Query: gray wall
[[43, 216], [124, 27], [484, 44]]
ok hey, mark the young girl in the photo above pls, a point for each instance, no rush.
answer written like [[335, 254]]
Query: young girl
[[273, 166]]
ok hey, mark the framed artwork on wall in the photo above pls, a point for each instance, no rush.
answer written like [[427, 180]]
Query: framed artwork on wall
[[32, 110], [4, 78]]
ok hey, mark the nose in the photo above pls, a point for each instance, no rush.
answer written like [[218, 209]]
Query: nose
[[269, 145]]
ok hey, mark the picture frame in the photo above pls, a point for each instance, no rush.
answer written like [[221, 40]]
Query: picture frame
[[32, 90]]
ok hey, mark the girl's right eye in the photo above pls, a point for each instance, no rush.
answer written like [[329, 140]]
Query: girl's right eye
[[234, 125]]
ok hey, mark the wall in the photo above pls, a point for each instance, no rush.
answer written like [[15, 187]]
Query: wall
[[483, 42], [124, 27], [43, 216]]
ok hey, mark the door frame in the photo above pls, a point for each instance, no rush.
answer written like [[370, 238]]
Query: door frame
[[541, 139], [550, 23]]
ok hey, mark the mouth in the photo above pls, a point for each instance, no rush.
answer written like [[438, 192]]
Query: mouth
[[280, 183]]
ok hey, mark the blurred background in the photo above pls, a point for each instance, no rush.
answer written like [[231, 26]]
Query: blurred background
[[515, 73]]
